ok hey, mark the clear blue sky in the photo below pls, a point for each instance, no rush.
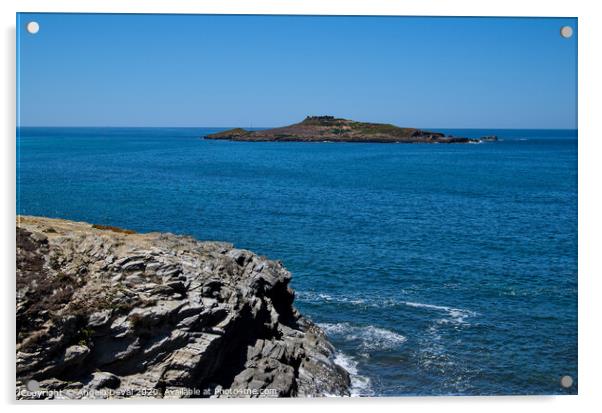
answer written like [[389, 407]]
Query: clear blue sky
[[194, 70]]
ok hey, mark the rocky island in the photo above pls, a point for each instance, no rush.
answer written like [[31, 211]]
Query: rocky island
[[331, 129], [104, 312]]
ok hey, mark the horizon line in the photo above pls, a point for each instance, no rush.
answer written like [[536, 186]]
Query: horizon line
[[266, 127]]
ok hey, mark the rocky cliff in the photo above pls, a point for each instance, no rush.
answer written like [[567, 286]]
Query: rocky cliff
[[104, 312], [331, 129]]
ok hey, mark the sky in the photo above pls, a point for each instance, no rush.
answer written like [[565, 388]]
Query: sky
[[263, 71]]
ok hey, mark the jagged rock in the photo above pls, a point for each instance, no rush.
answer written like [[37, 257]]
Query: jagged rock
[[99, 319], [266, 374], [75, 354], [103, 379], [134, 265], [159, 315]]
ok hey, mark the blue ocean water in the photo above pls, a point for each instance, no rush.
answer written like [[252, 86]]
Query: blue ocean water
[[434, 269]]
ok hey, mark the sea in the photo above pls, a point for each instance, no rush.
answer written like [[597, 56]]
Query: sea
[[434, 269]]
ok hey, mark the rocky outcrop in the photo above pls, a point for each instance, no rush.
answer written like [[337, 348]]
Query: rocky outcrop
[[331, 129], [103, 312]]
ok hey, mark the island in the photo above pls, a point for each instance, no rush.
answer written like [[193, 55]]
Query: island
[[331, 129], [104, 312]]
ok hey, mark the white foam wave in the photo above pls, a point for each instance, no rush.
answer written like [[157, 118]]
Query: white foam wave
[[360, 385], [453, 315], [313, 297], [456, 315], [369, 338]]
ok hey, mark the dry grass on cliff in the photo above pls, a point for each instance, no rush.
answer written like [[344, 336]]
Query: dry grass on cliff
[[114, 229]]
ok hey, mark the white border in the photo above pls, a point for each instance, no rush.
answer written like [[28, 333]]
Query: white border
[[590, 176], [337, 7]]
